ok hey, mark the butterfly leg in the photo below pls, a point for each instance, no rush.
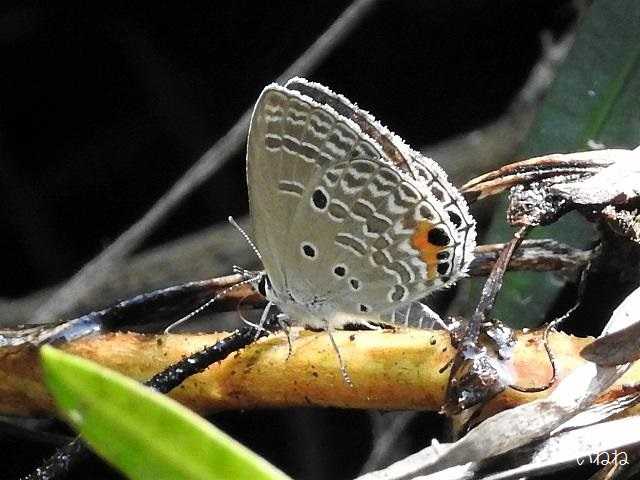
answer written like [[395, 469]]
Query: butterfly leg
[[263, 319], [247, 274], [343, 368], [283, 322]]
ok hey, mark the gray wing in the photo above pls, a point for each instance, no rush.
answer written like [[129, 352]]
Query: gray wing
[[272, 201], [333, 215]]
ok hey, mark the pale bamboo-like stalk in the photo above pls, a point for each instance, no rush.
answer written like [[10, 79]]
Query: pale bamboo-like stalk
[[394, 370]]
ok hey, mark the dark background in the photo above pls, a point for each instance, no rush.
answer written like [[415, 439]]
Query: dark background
[[101, 110]]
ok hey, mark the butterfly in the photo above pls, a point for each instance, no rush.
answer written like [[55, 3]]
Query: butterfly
[[353, 226]]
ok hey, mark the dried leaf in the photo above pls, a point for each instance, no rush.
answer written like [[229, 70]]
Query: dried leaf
[[599, 412], [554, 167], [588, 445], [618, 183]]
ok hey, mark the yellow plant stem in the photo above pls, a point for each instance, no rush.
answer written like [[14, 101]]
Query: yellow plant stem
[[394, 370]]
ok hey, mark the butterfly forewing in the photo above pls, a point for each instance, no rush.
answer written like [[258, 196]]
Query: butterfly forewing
[[272, 201]]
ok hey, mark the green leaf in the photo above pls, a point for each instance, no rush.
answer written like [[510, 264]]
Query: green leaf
[[141, 432], [595, 99]]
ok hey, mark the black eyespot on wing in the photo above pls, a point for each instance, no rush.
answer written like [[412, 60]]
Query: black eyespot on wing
[[364, 308], [319, 199], [444, 255], [308, 250], [355, 283], [443, 268], [438, 237], [455, 219], [437, 193], [340, 271], [398, 293], [426, 213]]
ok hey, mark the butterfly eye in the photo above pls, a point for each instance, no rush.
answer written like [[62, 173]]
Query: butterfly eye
[[264, 284]]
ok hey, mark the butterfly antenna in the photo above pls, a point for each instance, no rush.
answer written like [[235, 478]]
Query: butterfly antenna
[[246, 237], [190, 315], [208, 303]]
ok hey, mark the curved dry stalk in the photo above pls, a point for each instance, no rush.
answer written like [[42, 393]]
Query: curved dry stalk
[[395, 370], [194, 257], [543, 255], [559, 167], [94, 272]]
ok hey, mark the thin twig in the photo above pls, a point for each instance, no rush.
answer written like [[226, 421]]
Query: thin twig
[[541, 255], [195, 256], [61, 462], [164, 306], [493, 284], [552, 326], [94, 272], [469, 349]]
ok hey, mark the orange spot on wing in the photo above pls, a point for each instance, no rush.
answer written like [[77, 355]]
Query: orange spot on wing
[[428, 251]]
